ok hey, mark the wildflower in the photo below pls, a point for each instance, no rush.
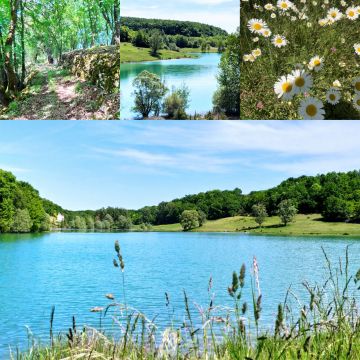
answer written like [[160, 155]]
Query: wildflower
[[356, 102], [302, 81], [337, 83], [279, 41], [356, 83], [316, 63], [256, 52], [351, 13], [266, 33], [256, 25], [311, 109], [284, 88], [333, 96], [357, 48], [334, 14], [284, 5]]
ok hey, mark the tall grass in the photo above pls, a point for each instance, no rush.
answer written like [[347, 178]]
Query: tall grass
[[326, 326]]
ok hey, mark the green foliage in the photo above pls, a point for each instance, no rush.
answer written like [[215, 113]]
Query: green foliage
[[155, 42], [189, 219], [15, 196], [259, 213], [227, 97], [172, 27], [176, 103], [123, 223], [287, 211], [149, 91], [22, 222]]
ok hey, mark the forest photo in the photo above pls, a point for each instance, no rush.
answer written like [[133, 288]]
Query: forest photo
[[59, 59]]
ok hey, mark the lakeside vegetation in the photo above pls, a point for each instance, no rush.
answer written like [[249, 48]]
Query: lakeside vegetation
[[77, 40], [322, 324], [153, 39], [335, 197]]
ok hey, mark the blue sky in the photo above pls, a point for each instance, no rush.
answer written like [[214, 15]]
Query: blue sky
[[222, 13], [90, 164]]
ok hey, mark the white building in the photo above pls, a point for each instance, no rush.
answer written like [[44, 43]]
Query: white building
[[60, 217]]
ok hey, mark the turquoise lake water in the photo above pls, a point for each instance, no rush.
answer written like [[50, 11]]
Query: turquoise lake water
[[73, 272], [198, 74]]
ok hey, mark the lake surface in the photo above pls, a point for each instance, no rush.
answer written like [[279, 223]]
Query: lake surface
[[73, 271], [198, 74]]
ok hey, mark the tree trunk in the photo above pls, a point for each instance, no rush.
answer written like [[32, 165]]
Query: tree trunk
[[11, 75], [23, 69], [116, 33]]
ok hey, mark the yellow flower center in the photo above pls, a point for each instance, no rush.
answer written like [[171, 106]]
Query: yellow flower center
[[357, 86], [284, 5], [333, 14], [286, 87], [279, 40], [351, 13], [311, 110], [332, 97], [257, 26], [358, 49], [317, 62], [299, 81]]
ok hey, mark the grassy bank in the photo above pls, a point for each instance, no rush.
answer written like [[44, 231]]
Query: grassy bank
[[302, 225], [324, 324], [131, 53]]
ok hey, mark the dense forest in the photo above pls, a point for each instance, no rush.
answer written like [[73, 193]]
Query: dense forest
[[334, 195], [36, 34]]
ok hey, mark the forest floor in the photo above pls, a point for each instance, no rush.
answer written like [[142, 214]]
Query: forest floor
[[55, 94]]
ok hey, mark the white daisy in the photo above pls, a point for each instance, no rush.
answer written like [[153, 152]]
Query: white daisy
[[284, 88], [256, 52], [266, 32], [311, 109], [356, 101], [351, 13], [279, 41], [333, 96], [302, 81], [316, 63], [284, 5], [356, 83], [334, 14], [357, 48], [256, 25], [269, 7]]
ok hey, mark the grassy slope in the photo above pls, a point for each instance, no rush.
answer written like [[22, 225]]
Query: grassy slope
[[130, 53], [303, 225]]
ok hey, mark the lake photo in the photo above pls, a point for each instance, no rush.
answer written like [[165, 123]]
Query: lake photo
[[178, 65], [199, 74], [233, 240]]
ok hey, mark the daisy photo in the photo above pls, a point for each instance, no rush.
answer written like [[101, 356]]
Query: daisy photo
[[309, 66]]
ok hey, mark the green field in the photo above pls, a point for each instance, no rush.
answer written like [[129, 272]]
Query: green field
[[131, 53], [302, 225]]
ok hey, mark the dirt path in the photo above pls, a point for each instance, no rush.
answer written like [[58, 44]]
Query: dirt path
[[54, 94]]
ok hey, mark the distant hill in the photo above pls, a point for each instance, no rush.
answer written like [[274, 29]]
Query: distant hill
[[173, 27]]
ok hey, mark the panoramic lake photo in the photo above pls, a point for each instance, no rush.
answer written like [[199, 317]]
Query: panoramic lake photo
[[203, 240], [176, 64]]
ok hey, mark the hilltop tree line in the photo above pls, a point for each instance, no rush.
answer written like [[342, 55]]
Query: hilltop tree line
[[334, 195], [172, 27], [34, 31]]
